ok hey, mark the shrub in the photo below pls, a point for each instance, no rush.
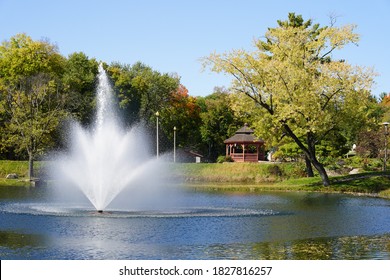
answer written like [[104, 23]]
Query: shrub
[[275, 170], [222, 159]]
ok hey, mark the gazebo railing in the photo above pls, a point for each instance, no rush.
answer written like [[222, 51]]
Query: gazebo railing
[[249, 157]]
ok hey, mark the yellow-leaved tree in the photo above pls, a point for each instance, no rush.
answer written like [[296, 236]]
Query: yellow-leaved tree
[[301, 91]]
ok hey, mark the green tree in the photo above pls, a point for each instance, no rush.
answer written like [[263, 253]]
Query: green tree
[[128, 95], [31, 97], [79, 79], [218, 123], [384, 104], [142, 91], [303, 93]]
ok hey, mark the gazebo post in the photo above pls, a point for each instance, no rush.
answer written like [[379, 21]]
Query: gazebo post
[[243, 152]]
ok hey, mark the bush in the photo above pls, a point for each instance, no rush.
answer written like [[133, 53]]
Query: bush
[[275, 170], [222, 159], [368, 164], [295, 170]]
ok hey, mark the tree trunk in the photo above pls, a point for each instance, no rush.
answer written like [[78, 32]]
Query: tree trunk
[[310, 153], [309, 167], [321, 170], [30, 166]]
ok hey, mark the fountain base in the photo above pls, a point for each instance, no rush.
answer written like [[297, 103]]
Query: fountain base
[[100, 211]]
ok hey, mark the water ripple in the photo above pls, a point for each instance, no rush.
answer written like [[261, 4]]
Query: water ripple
[[177, 212]]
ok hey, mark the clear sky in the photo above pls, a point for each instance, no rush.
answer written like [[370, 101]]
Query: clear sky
[[172, 35]]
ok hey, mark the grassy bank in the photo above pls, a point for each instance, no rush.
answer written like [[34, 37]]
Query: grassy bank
[[243, 177], [11, 166], [370, 185], [237, 172], [20, 168], [277, 177]]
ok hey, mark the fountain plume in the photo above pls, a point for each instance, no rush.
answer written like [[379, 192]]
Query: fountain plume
[[106, 159]]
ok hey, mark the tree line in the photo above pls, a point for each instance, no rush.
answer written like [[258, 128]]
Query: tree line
[[41, 90], [290, 89]]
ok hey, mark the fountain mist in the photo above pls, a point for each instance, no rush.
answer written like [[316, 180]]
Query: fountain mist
[[105, 160]]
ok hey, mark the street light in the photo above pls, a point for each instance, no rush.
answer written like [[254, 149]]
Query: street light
[[157, 115], [174, 144], [385, 124]]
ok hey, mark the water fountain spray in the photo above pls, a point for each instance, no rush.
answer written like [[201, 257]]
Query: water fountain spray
[[107, 158]]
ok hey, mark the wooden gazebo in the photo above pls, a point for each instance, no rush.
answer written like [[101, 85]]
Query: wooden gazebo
[[243, 146]]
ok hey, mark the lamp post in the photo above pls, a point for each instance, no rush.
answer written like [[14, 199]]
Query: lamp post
[[174, 144], [157, 115], [385, 124]]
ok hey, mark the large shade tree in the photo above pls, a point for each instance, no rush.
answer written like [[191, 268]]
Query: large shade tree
[[31, 98], [302, 91]]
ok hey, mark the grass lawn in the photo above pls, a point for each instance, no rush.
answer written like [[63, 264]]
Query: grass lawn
[[364, 183], [18, 167], [13, 183], [13, 166], [236, 172]]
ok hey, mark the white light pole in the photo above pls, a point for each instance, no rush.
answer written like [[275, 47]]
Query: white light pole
[[386, 124], [174, 144], [157, 115]]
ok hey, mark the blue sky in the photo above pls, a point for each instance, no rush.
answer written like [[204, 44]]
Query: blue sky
[[172, 35]]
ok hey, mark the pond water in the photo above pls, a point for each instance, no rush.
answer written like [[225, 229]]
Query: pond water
[[198, 225]]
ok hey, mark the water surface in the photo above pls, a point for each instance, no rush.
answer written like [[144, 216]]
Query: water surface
[[197, 225]]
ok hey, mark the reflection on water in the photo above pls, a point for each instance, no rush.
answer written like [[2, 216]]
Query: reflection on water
[[22, 246], [348, 248], [18, 240], [13, 244], [200, 226]]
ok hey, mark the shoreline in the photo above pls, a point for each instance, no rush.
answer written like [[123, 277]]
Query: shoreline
[[280, 177], [262, 189], [241, 177], [245, 187]]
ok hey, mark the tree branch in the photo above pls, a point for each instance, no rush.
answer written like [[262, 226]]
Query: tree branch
[[329, 98], [248, 84]]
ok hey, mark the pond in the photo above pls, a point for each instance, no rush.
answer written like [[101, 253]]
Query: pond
[[198, 225]]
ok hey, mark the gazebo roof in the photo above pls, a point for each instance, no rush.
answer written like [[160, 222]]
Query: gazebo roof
[[244, 136]]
